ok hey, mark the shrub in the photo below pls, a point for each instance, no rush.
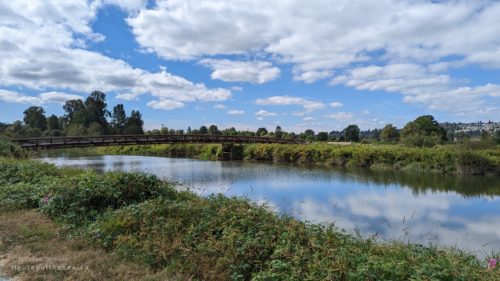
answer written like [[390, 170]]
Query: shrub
[[472, 164], [87, 195]]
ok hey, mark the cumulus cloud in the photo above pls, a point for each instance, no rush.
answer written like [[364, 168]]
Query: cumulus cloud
[[59, 97], [341, 116], [308, 105], [219, 106], [43, 47], [322, 38], [55, 97], [264, 113], [235, 112], [165, 104], [14, 97], [336, 104], [257, 72]]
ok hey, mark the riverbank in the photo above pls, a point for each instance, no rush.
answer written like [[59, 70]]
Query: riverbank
[[148, 222], [445, 159]]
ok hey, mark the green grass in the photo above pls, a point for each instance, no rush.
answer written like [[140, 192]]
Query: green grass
[[146, 220]]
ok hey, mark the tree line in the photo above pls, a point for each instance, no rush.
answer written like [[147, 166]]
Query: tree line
[[91, 117]]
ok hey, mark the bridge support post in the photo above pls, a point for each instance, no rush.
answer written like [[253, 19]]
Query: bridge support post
[[231, 151], [227, 151]]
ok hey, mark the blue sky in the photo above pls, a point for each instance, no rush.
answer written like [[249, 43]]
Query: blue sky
[[250, 64]]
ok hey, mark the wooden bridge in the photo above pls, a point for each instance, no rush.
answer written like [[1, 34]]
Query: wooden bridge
[[86, 141]]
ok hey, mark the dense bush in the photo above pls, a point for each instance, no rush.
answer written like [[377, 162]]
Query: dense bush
[[8, 149], [85, 196], [472, 164]]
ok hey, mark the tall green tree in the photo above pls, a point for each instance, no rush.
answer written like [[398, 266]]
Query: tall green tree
[[389, 133], [423, 131], [351, 133], [278, 132], [118, 119], [213, 130], [53, 123], [261, 132], [322, 136], [75, 112], [203, 130], [34, 117], [134, 124], [96, 109]]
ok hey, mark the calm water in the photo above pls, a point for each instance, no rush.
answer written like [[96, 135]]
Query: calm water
[[420, 208]]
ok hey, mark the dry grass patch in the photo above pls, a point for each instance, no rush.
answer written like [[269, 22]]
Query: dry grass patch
[[33, 248]]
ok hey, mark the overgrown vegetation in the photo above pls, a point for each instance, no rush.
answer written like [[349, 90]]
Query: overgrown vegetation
[[149, 222], [459, 158]]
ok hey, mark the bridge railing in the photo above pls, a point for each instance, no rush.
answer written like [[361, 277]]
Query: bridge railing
[[82, 141]]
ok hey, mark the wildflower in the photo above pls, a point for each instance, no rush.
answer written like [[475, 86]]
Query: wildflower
[[492, 264], [46, 199]]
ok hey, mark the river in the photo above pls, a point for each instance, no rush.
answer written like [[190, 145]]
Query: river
[[416, 207]]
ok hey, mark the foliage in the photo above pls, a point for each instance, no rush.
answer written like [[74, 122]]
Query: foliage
[[34, 117], [389, 133], [53, 123], [119, 118], [134, 124], [424, 131], [8, 149], [351, 133]]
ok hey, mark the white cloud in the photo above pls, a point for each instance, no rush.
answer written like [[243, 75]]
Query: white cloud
[[336, 104], [43, 47], [309, 119], [219, 106], [312, 76], [308, 105], [59, 97], [341, 116], [55, 97], [257, 72], [235, 112], [165, 104], [10, 96], [263, 113], [419, 84], [322, 38]]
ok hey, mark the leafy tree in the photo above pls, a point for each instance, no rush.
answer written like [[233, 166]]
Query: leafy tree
[[309, 133], [322, 136], [423, 131], [96, 109], [76, 129], [213, 130], [134, 124], [15, 129], [119, 119], [75, 112], [95, 129], [351, 133], [230, 132], [53, 123], [189, 130], [203, 130], [34, 117], [278, 132], [261, 132], [389, 133]]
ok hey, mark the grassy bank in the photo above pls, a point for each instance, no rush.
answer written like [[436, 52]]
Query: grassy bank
[[441, 159], [147, 222]]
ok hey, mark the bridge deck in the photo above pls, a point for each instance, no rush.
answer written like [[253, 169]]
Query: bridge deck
[[85, 141]]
